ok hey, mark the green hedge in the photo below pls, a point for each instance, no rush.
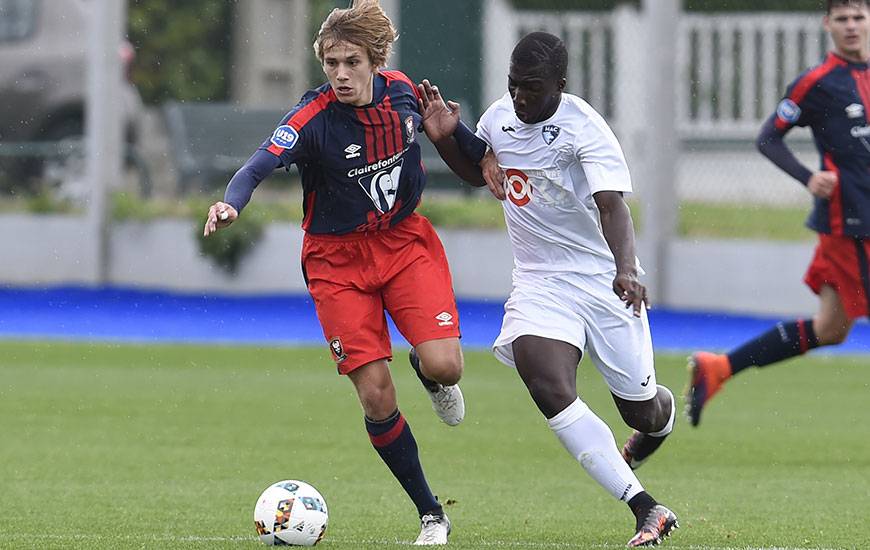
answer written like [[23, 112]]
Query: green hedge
[[183, 49]]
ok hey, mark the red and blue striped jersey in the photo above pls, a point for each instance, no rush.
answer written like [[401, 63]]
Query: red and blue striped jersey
[[833, 99], [361, 168]]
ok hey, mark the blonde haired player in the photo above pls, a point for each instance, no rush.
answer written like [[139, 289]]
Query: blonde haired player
[[366, 251]]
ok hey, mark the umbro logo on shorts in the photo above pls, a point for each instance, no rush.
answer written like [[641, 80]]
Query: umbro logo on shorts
[[444, 319]]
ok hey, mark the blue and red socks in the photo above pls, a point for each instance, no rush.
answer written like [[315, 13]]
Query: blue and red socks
[[394, 442], [785, 340]]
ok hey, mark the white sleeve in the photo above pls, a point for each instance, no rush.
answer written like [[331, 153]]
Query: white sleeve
[[483, 125], [600, 155]]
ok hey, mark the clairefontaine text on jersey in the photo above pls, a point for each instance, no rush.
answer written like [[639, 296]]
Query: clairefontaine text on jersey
[[383, 163]]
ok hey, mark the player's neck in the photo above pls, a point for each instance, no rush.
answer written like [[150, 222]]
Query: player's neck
[[859, 56], [551, 110]]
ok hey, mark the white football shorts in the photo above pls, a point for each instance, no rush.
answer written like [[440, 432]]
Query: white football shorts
[[582, 310]]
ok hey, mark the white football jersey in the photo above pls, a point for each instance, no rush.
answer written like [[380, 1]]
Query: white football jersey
[[552, 169]]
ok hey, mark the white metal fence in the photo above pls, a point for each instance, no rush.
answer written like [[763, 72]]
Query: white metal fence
[[732, 67]]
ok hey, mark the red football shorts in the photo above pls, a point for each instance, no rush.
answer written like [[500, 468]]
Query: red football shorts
[[841, 263], [355, 278]]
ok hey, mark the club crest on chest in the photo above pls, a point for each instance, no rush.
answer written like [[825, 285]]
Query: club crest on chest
[[550, 132]]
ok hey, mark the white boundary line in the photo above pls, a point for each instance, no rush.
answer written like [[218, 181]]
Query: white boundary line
[[486, 544]]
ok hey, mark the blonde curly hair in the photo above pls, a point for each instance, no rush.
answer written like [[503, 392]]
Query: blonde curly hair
[[364, 24]]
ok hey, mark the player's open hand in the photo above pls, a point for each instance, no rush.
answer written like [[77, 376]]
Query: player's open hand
[[220, 215], [631, 292], [440, 119], [493, 175], [822, 184]]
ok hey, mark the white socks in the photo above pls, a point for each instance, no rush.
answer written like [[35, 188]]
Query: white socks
[[588, 439], [669, 427]]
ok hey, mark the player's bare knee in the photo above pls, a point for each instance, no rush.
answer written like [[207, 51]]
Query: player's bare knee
[[551, 398], [444, 369], [650, 416], [831, 334], [644, 419]]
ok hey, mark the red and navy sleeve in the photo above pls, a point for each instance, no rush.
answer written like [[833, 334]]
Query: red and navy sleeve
[[803, 103], [404, 83], [296, 139]]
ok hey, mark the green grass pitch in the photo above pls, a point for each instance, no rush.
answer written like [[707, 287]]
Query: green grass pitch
[[110, 446]]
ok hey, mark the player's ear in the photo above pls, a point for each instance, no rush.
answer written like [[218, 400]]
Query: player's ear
[[562, 83]]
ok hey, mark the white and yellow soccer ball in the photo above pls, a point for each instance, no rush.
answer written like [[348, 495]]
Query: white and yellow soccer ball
[[292, 513]]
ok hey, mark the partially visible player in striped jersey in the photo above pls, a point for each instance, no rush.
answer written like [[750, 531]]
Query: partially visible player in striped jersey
[[365, 250], [833, 99], [575, 280]]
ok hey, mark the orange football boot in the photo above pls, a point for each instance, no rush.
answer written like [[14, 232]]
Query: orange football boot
[[658, 524], [708, 372]]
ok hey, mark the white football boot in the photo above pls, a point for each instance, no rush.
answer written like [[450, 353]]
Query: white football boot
[[434, 530], [447, 401]]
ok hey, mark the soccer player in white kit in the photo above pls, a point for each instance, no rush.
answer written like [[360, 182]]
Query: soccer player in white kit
[[562, 175]]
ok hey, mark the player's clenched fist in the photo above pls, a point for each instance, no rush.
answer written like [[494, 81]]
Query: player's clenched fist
[[822, 184], [220, 215]]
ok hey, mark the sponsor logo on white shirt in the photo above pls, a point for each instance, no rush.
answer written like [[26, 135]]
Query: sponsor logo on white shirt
[[518, 188]]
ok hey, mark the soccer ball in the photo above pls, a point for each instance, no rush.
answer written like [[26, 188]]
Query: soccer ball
[[290, 513]]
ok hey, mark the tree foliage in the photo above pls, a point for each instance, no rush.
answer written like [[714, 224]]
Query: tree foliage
[[183, 49]]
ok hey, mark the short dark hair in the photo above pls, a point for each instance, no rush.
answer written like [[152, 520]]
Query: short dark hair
[[838, 3], [542, 48]]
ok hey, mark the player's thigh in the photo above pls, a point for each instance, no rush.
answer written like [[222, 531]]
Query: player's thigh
[[548, 368], [374, 387], [832, 322], [619, 344], [539, 306], [353, 324], [419, 292], [839, 263]]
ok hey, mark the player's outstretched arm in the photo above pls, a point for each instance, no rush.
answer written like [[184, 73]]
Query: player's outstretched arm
[[239, 191], [618, 231], [444, 128]]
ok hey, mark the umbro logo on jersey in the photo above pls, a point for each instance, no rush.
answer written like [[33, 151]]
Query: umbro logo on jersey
[[444, 319], [855, 110], [508, 129], [550, 133], [352, 151]]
